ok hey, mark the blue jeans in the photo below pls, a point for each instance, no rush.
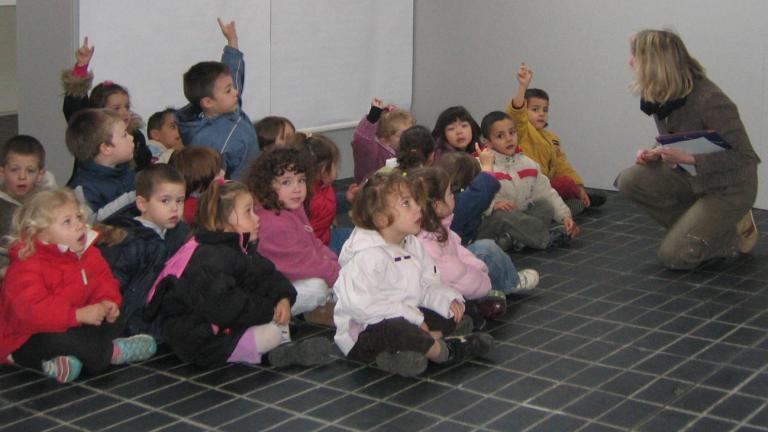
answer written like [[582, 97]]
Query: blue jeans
[[502, 272], [339, 235]]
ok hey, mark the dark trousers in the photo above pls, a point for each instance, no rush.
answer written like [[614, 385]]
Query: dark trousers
[[398, 334], [530, 226], [92, 345]]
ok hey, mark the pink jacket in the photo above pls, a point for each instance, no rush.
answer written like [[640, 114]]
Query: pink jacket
[[459, 268], [289, 241], [368, 153]]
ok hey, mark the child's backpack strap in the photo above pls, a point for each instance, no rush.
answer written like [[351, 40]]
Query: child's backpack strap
[[175, 265]]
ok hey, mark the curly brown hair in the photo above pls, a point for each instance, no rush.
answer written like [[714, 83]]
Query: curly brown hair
[[371, 199], [272, 164]]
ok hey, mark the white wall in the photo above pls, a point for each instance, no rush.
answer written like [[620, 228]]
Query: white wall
[[8, 103], [468, 53]]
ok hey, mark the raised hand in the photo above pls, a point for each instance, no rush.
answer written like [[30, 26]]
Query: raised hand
[[378, 103], [524, 75], [486, 158], [84, 53], [229, 31]]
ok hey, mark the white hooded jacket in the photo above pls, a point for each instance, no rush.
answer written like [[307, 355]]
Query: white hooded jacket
[[379, 281]]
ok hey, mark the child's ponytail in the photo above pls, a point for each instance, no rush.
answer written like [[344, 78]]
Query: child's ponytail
[[416, 147], [217, 203], [430, 185]]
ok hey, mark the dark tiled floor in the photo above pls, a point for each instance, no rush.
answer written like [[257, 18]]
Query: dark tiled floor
[[611, 341]]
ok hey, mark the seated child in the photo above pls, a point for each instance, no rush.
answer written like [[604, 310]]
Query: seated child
[[417, 149], [150, 239], [530, 111], [213, 118], [77, 82], [199, 166], [60, 305], [377, 137], [391, 306], [526, 204], [97, 138], [164, 135], [219, 301], [273, 130], [471, 270], [455, 130], [278, 180], [324, 204]]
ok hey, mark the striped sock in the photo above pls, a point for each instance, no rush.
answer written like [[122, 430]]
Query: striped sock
[[63, 368]]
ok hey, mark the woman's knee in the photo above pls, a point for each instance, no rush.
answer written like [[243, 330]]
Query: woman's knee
[[684, 253]]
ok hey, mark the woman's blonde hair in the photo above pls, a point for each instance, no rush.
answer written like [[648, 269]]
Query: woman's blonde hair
[[36, 214], [665, 69]]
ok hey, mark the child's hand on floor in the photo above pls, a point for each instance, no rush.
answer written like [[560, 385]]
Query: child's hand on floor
[[84, 54], [229, 32], [584, 196], [524, 75], [111, 310], [282, 312], [504, 205], [570, 227], [92, 314], [458, 310]]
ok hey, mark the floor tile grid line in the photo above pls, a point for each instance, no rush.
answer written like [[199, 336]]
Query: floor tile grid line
[[735, 391]]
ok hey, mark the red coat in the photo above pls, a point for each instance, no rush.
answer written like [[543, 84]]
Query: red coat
[[41, 293], [322, 212], [190, 210]]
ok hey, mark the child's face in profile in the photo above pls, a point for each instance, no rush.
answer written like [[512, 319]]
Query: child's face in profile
[[243, 219], [121, 104], [121, 143], [459, 134], [224, 98], [445, 207], [166, 205], [407, 214], [21, 173], [502, 137], [67, 228], [538, 112], [168, 134], [291, 189]]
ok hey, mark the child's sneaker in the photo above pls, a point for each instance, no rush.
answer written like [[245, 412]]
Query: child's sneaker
[[63, 368], [403, 363], [557, 237], [747, 230], [133, 349], [596, 199], [321, 315], [497, 293], [307, 352], [468, 347], [527, 279], [465, 326], [491, 307]]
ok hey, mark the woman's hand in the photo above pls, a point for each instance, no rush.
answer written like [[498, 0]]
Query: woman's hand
[[673, 156], [643, 156]]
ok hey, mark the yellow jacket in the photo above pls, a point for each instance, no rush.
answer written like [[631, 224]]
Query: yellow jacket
[[542, 146]]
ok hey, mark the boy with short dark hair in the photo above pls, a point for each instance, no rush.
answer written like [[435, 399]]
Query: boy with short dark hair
[[213, 118], [149, 240], [98, 139], [163, 133]]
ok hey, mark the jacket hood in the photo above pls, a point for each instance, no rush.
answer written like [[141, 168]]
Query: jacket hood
[[190, 120], [362, 239]]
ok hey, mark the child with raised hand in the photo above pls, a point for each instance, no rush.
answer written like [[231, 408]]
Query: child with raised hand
[[278, 180], [391, 306], [214, 118], [530, 112], [377, 137], [219, 300], [99, 141], [60, 305], [526, 204], [163, 134], [325, 203], [147, 241], [199, 166], [455, 130], [77, 82], [274, 130]]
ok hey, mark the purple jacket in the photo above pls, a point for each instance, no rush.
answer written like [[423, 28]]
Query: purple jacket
[[368, 152], [289, 241]]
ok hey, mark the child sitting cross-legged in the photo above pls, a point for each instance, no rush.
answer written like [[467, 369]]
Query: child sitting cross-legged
[[148, 241], [219, 300], [60, 305], [391, 306], [97, 138]]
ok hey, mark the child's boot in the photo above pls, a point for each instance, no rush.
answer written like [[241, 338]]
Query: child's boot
[[306, 352], [321, 315], [404, 363], [63, 368], [468, 347]]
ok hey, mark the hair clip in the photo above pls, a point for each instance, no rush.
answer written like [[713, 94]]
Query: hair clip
[[221, 181], [107, 83]]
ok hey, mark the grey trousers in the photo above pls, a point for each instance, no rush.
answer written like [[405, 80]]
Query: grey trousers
[[530, 226], [700, 226]]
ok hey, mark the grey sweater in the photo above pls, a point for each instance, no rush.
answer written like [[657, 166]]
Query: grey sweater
[[707, 107]]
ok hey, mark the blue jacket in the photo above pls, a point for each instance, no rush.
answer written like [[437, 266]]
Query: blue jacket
[[108, 191], [136, 261], [231, 134], [470, 205]]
